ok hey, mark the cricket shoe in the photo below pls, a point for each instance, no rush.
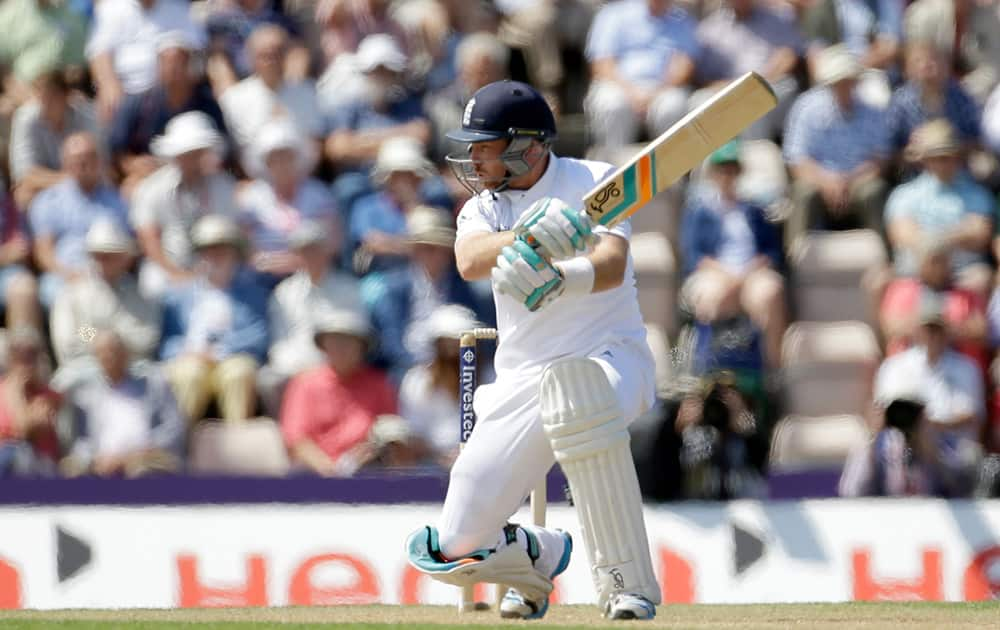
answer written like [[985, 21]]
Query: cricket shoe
[[514, 605], [629, 606]]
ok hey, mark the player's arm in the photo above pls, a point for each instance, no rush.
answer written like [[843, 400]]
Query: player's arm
[[476, 253], [609, 258]]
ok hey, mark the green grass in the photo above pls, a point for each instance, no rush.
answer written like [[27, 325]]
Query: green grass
[[866, 616]]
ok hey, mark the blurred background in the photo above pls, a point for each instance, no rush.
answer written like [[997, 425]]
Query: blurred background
[[227, 229]]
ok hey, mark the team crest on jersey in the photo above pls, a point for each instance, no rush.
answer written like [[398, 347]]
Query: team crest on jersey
[[467, 116]]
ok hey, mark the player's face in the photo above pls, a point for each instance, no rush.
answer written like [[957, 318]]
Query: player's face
[[486, 161]]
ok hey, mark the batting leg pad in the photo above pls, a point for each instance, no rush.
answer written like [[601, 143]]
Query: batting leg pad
[[584, 424], [508, 564]]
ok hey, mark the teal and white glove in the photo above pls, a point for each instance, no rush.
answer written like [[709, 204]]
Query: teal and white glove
[[554, 229], [525, 276]]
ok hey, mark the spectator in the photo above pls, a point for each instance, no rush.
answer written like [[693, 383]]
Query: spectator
[[168, 203], [971, 30], [127, 424], [393, 444], [430, 42], [951, 383], [943, 202], [215, 329], [732, 255], [266, 95], [952, 391], [722, 449], [230, 24], [900, 460], [991, 122], [145, 115], [38, 131], [835, 146], [871, 32], [358, 129], [61, 215], [107, 298], [481, 59], [964, 310], [28, 442], [536, 30], [282, 196], [345, 24], [40, 36], [930, 92], [18, 288], [378, 221], [123, 46], [642, 57], [315, 288], [329, 411], [428, 395], [402, 300], [749, 35]]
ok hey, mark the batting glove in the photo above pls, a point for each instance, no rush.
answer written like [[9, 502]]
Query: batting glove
[[527, 277], [554, 229]]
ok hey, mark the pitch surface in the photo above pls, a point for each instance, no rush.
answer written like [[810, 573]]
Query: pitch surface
[[908, 616]]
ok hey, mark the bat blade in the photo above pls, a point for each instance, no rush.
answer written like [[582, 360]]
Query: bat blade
[[679, 149]]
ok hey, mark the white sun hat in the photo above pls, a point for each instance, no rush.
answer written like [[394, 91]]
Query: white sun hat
[[107, 237], [188, 132], [430, 226], [342, 321], [216, 229], [449, 321], [837, 63], [401, 154], [274, 136], [377, 50]]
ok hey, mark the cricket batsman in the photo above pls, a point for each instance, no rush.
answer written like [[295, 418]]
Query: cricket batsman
[[573, 370]]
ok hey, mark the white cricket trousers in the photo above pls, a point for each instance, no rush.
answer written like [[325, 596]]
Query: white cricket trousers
[[508, 452]]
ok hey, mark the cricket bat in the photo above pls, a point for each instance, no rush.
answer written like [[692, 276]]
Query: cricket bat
[[679, 149]]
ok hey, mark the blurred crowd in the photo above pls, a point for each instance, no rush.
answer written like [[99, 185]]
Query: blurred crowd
[[227, 229]]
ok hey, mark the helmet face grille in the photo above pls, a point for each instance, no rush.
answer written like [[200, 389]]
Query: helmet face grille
[[513, 159]]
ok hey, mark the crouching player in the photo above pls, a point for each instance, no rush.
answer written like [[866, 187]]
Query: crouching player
[[573, 370]]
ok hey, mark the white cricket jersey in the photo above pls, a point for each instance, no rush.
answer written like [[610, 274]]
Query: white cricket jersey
[[569, 326]]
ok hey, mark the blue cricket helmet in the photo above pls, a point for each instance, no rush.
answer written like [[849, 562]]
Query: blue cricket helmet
[[505, 109]]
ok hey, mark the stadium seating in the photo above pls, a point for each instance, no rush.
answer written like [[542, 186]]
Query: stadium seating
[[802, 442], [656, 278], [254, 447], [826, 274], [828, 368]]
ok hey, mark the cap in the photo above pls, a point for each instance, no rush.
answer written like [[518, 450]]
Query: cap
[[503, 109], [726, 154]]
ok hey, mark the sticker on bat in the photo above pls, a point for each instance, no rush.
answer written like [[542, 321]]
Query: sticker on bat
[[603, 196]]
